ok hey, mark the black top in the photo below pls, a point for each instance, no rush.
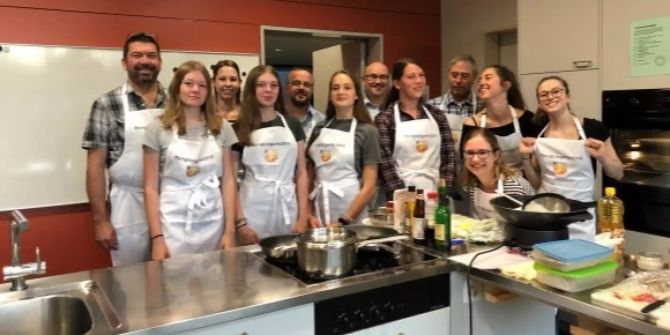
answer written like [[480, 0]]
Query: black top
[[527, 126], [293, 124]]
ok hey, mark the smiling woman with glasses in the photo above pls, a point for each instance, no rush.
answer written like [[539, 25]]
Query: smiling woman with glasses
[[485, 174], [562, 159]]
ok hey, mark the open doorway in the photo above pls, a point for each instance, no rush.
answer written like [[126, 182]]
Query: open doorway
[[501, 48], [322, 51]]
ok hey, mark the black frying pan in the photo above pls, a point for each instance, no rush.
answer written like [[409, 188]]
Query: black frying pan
[[280, 247], [537, 220], [369, 232]]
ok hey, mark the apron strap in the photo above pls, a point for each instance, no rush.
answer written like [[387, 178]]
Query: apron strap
[[279, 196], [325, 188], [198, 199]]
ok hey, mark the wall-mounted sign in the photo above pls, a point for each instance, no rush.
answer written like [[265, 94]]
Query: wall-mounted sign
[[650, 47]]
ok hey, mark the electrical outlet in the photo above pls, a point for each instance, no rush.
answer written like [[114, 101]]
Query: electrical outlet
[[476, 291]]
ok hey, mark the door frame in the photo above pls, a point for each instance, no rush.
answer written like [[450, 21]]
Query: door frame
[[374, 42]]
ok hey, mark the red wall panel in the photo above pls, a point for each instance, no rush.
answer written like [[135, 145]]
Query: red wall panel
[[410, 29]]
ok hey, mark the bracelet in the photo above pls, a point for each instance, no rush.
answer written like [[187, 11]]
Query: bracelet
[[156, 236], [239, 223]]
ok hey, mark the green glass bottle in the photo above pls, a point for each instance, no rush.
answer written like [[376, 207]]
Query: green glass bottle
[[443, 220]]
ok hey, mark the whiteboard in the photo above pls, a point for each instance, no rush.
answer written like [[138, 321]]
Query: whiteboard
[[46, 93]]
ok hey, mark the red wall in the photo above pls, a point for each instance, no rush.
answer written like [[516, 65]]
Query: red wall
[[64, 234]]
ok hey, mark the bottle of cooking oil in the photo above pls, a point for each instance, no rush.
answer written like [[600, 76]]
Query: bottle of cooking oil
[[610, 218], [610, 213]]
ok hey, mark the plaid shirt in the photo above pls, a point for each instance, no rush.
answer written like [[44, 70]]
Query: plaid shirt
[[385, 123], [105, 124], [464, 108]]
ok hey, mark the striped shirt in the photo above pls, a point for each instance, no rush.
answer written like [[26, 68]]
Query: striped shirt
[[513, 185]]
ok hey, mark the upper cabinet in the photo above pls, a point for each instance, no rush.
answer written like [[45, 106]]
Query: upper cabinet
[[557, 36]]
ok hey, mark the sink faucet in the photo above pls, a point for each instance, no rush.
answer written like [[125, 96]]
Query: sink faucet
[[17, 271]]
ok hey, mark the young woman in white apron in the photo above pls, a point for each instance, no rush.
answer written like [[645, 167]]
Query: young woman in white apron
[[340, 193], [189, 184], [273, 193], [499, 90], [559, 160], [227, 82], [422, 149], [485, 174]]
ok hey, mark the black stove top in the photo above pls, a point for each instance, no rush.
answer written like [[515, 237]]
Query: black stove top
[[368, 259]]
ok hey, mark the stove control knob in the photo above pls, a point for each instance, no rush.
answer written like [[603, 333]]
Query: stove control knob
[[389, 308], [375, 313], [342, 319]]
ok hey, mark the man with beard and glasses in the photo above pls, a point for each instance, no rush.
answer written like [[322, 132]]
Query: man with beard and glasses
[[460, 101], [299, 91], [376, 83], [113, 139]]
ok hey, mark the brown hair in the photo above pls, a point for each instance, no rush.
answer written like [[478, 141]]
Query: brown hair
[[229, 63], [174, 110], [250, 115], [514, 97], [396, 73], [500, 167], [541, 117], [360, 112]]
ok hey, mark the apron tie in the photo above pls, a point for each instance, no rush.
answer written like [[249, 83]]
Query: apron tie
[[325, 188], [281, 194], [198, 199]]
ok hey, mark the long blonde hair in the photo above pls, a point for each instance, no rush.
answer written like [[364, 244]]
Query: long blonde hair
[[174, 110], [466, 177]]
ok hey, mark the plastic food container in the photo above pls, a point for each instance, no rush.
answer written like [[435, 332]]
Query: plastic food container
[[543, 259], [570, 255], [577, 280]]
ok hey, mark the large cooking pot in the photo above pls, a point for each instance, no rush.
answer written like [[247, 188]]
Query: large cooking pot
[[331, 251], [512, 214]]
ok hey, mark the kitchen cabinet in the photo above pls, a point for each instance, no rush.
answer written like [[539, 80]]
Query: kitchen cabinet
[[295, 321], [430, 323], [557, 36], [521, 315]]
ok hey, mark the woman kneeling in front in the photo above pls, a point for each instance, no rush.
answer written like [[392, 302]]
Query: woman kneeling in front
[[485, 174]]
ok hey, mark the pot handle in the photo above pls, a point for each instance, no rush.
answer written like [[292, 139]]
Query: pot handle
[[381, 240]]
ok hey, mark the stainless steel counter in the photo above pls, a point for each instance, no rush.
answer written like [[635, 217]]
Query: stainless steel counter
[[193, 291], [579, 303]]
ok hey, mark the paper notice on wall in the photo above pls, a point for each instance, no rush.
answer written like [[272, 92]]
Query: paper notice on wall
[[650, 47]]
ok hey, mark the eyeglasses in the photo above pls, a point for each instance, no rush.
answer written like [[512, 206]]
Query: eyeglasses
[[481, 154], [373, 77], [544, 95], [298, 83]]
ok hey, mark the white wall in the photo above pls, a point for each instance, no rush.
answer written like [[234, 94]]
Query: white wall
[[465, 24], [617, 17]]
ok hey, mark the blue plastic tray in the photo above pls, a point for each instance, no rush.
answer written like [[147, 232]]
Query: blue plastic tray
[[569, 251]]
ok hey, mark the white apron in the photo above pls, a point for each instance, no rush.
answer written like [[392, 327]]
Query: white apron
[[417, 151], [191, 205], [566, 169], [267, 193], [482, 202], [337, 184], [509, 144], [127, 188]]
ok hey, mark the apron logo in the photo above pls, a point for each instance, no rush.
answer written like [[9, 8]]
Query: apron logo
[[560, 169], [421, 146], [192, 170], [271, 155], [326, 156]]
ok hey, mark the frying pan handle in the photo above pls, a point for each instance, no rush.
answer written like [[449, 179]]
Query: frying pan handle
[[382, 240], [582, 217]]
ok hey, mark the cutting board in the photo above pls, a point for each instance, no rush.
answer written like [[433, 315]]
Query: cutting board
[[624, 298]]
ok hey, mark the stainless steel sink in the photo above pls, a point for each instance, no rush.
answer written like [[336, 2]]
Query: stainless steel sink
[[75, 308]]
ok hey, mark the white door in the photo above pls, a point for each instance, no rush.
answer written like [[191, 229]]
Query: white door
[[349, 56]]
